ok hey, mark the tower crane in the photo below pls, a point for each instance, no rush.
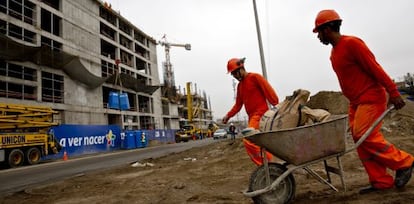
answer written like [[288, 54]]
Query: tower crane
[[169, 80]]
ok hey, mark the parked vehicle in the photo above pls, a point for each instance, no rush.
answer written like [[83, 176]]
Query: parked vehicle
[[182, 136], [25, 135], [220, 134]]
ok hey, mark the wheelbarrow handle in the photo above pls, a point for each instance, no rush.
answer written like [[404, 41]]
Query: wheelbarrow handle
[[371, 128]]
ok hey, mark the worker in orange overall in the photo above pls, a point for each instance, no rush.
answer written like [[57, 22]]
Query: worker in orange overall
[[253, 91], [364, 82]]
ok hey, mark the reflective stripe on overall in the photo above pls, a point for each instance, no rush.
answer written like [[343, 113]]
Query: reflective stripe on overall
[[375, 152]]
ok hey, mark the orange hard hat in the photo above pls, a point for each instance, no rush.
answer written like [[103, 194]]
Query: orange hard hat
[[234, 64], [325, 16]]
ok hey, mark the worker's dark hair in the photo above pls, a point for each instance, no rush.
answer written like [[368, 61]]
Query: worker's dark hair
[[334, 25], [240, 63]]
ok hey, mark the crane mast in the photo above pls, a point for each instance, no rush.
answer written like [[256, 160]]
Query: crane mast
[[169, 80]]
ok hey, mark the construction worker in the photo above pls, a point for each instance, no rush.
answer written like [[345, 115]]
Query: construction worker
[[364, 82], [232, 130], [253, 91]]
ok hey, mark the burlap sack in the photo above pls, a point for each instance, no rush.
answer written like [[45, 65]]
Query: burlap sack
[[311, 116], [287, 113]]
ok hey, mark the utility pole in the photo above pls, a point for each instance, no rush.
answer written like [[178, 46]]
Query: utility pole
[[235, 96], [234, 89], [259, 37]]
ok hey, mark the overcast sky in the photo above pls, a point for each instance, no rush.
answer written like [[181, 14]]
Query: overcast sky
[[222, 29]]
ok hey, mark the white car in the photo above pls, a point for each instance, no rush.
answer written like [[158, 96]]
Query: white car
[[220, 134]]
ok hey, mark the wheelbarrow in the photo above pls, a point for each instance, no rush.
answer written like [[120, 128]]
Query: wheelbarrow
[[300, 147]]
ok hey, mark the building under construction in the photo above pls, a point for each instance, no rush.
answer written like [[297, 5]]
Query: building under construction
[[71, 55]]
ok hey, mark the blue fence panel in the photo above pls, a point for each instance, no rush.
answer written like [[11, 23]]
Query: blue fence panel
[[86, 139], [158, 135], [150, 134], [141, 139], [164, 136], [78, 140], [170, 135]]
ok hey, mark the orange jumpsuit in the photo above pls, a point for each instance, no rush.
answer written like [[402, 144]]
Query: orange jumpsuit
[[365, 84], [253, 91]]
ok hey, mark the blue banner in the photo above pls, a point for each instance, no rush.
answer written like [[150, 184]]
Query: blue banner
[[78, 140], [85, 139]]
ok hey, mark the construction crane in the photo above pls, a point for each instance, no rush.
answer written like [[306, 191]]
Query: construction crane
[[169, 80]]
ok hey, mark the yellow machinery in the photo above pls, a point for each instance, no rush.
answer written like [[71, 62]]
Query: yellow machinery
[[193, 111], [191, 129], [24, 134]]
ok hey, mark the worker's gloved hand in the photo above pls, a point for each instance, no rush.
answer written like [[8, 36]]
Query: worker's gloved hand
[[398, 102], [225, 119]]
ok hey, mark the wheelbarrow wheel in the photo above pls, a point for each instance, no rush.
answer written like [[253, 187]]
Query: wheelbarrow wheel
[[283, 193]]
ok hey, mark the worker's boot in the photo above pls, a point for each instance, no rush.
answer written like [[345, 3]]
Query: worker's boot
[[402, 176], [368, 189]]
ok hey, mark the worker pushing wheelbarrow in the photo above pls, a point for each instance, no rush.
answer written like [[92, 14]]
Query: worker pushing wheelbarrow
[[369, 89], [300, 147]]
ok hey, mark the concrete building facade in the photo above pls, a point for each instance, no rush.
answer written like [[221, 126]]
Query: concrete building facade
[[71, 54]]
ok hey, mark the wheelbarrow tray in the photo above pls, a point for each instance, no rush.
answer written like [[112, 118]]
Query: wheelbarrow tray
[[306, 143]]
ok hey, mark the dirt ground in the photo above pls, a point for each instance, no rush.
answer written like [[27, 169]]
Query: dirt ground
[[218, 173]]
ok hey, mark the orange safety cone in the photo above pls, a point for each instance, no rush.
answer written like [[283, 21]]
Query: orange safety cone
[[65, 156]]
